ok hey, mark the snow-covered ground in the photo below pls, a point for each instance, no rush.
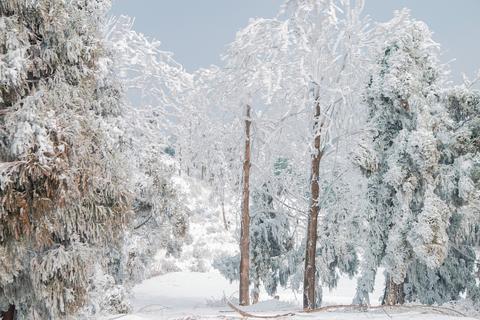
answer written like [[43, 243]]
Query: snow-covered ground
[[197, 291], [194, 295]]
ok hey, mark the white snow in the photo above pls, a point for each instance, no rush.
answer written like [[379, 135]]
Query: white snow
[[200, 295], [194, 295]]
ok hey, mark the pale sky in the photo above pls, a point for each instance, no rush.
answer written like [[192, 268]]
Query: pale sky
[[196, 31]]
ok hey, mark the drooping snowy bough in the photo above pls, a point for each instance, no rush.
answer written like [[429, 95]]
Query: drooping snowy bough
[[62, 188], [415, 173]]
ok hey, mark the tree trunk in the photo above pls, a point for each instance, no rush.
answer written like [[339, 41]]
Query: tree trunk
[[222, 177], [256, 291], [309, 282], [225, 222], [10, 314], [394, 293], [245, 224], [180, 162]]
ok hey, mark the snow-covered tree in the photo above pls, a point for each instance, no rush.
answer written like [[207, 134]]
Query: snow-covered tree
[[310, 49], [63, 179], [270, 244], [154, 83], [161, 221], [328, 39], [248, 78], [462, 150], [458, 186], [407, 220]]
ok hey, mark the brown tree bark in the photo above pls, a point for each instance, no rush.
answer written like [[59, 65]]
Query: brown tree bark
[[10, 314], [394, 293], [311, 245], [245, 224]]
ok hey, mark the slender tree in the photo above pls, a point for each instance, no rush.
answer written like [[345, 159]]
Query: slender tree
[[248, 74], [327, 39], [245, 225], [309, 281]]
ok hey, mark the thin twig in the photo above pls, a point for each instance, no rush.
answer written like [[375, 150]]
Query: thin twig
[[118, 317], [388, 315], [143, 223], [152, 305], [249, 315], [366, 308]]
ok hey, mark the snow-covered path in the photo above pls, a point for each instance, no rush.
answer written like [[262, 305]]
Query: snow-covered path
[[191, 295], [181, 294]]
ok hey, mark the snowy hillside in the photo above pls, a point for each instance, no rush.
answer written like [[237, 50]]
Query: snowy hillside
[[207, 235]]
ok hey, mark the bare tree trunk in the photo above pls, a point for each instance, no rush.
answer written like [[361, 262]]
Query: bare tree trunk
[[245, 225], [225, 223], [394, 293], [10, 314], [309, 282]]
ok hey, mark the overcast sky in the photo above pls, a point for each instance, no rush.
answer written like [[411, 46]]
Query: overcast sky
[[196, 31]]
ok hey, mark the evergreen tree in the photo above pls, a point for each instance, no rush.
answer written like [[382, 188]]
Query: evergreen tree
[[407, 219], [339, 229], [459, 186], [62, 184], [271, 244], [270, 241]]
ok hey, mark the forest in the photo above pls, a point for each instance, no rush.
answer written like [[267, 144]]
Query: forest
[[327, 152]]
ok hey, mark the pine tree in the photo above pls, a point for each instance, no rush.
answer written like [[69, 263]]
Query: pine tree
[[457, 185], [271, 243], [407, 220], [339, 228], [62, 184]]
